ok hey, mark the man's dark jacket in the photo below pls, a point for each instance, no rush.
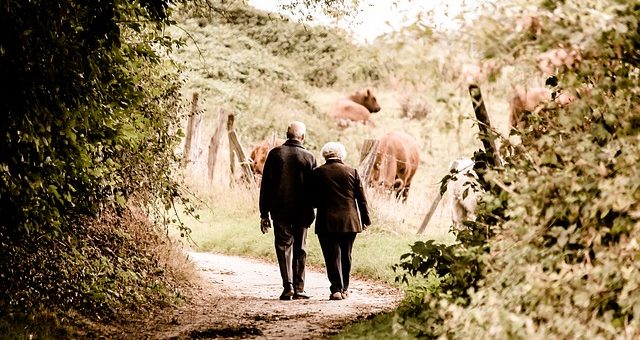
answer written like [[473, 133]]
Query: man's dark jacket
[[285, 187], [340, 198]]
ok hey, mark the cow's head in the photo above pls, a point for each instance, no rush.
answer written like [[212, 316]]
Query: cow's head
[[367, 99], [258, 156], [260, 152]]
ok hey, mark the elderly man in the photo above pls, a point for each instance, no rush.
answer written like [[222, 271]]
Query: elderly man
[[284, 196], [342, 213]]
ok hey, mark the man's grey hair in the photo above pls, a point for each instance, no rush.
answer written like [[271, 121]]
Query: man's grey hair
[[334, 150], [296, 130]]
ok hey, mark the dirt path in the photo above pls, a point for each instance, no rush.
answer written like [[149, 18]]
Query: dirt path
[[235, 297]]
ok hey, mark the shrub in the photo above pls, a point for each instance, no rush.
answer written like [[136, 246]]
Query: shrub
[[560, 260], [89, 121]]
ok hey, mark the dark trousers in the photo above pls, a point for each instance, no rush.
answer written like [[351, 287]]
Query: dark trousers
[[291, 251], [336, 249]]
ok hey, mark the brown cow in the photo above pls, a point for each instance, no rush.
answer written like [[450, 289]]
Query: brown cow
[[478, 72], [554, 60], [260, 151], [526, 100], [395, 164], [355, 108], [523, 101], [529, 24]]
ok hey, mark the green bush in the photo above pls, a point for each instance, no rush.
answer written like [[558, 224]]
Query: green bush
[[562, 262], [323, 56]]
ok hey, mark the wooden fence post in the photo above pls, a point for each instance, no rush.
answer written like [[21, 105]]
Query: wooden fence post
[[214, 144], [432, 209], [368, 157], [232, 159], [235, 149], [245, 166], [193, 125], [486, 137]]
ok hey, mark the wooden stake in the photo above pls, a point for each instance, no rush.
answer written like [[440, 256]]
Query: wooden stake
[[232, 159], [245, 165], [214, 144], [193, 124], [368, 157], [432, 209], [486, 137]]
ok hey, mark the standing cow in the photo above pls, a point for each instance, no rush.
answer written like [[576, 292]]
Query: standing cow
[[355, 108], [260, 151], [524, 101], [395, 164]]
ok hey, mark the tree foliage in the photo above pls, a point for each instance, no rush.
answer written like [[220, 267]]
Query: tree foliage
[[90, 113], [81, 110]]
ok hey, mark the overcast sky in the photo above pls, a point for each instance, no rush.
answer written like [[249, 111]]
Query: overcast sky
[[382, 16]]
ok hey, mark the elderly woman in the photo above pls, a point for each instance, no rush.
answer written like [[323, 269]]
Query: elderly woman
[[342, 213]]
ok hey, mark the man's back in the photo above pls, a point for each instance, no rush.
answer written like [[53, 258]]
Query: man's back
[[284, 191]]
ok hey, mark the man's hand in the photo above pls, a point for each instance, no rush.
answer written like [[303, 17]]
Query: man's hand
[[265, 225], [365, 227]]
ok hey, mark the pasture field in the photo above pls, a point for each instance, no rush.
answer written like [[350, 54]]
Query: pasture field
[[231, 227], [229, 214]]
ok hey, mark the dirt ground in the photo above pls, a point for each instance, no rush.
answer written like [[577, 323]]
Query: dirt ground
[[235, 297]]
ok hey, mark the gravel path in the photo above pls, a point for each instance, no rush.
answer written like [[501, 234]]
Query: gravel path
[[237, 298]]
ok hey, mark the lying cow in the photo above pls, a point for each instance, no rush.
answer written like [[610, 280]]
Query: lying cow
[[259, 153], [463, 190], [355, 108], [395, 164]]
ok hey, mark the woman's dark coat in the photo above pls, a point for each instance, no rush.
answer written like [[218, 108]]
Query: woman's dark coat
[[339, 196]]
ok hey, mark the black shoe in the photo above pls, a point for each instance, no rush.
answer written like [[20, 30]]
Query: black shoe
[[335, 296], [301, 295], [287, 293]]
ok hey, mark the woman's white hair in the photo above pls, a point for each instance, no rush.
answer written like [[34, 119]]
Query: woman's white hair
[[334, 150]]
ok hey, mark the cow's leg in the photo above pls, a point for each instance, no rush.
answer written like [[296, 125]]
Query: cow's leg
[[398, 188], [405, 194], [389, 170]]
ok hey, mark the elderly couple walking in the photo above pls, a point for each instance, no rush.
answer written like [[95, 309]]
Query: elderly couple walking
[[292, 186]]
